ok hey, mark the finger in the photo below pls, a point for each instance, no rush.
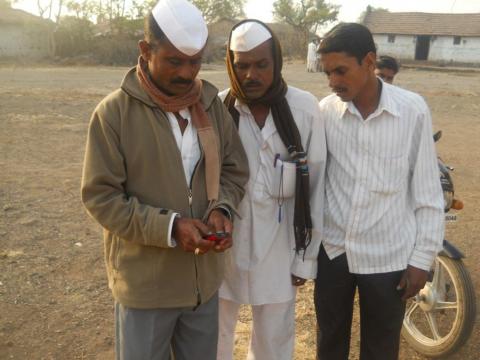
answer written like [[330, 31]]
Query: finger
[[410, 291], [215, 221], [408, 294], [228, 226], [205, 245], [403, 282], [217, 224], [224, 244], [202, 228]]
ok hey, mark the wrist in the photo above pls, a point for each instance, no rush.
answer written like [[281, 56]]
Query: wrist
[[224, 211]]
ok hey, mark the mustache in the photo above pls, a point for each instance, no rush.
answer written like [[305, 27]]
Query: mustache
[[181, 81], [252, 83], [339, 89]]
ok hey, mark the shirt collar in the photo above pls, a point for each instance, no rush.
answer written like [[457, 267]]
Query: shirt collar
[[386, 103], [268, 130], [241, 107]]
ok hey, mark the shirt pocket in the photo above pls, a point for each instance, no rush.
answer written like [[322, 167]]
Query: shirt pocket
[[281, 179], [389, 174]]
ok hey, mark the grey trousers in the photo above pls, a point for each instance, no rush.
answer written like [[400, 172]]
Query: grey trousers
[[156, 334]]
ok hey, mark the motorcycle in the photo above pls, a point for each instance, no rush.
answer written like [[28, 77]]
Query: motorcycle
[[440, 319]]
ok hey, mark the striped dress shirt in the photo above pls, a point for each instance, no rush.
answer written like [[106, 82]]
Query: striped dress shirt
[[384, 203]]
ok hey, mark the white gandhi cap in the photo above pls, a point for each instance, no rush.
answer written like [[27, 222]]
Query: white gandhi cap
[[248, 35], [183, 25]]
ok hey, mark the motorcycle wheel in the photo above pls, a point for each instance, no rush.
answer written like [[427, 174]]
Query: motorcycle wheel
[[440, 318]]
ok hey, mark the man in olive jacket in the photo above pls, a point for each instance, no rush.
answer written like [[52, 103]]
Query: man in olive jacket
[[164, 167]]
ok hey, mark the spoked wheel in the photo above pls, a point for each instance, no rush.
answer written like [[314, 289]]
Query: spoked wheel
[[440, 318]]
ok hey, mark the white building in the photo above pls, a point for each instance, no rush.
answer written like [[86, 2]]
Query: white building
[[24, 35], [426, 36]]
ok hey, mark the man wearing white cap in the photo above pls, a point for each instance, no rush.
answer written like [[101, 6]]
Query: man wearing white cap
[[276, 236], [164, 169]]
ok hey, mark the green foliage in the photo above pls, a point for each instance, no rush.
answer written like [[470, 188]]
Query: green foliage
[[140, 8], [73, 36], [305, 15], [107, 31], [85, 9], [215, 10]]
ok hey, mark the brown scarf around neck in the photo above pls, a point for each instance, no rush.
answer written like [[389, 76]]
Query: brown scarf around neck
[[287, 129], [201, 122]]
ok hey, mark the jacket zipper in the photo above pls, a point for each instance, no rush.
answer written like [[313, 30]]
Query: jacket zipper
[[190, 203]]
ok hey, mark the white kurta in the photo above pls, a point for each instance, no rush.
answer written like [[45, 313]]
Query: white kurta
[[312, 57], [262, 259]]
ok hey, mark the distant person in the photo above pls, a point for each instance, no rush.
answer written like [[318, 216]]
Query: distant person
[[386, 68], [319, 63], [312, 56], [164, 167], [384, 219], [277, 233]]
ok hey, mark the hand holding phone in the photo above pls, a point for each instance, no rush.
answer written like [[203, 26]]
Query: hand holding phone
[[217, 236]]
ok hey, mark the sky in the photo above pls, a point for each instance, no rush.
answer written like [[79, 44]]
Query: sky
[[350, 10]]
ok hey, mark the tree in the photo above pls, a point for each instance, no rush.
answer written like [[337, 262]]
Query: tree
[[140, 8], [46, 8], [85, 9], [305, 15], [215, 10]]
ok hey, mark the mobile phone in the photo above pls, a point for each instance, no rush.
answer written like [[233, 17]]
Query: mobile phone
[[218, 236]]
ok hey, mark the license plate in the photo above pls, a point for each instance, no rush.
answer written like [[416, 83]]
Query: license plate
[[451, 218]]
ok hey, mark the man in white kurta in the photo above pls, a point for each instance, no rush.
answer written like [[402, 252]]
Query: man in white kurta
[[312, 56], [263, 269]]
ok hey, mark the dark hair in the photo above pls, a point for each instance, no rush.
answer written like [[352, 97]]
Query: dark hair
[[152, 31], [351, 38], [387, 62]]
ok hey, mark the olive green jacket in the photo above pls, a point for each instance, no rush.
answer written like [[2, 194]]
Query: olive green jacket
[[133, 182]]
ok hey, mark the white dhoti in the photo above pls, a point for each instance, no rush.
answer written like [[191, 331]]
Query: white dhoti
[[273, 331]]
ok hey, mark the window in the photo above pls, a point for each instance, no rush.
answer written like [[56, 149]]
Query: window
[[391, 38], [457, 40]]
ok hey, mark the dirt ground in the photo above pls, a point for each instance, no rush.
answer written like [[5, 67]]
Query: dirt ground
[[54, 300]]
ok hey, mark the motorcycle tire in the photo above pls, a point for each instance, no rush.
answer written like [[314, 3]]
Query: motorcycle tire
[[448, 298]]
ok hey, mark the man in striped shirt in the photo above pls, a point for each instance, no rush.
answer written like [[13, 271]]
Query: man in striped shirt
[[383, 206]]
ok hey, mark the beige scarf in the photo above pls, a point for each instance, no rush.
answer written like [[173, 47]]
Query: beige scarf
[[200, 120]]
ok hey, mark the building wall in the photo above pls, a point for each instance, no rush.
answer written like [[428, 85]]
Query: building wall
[[441, 48], [402, 48], [24, 40]]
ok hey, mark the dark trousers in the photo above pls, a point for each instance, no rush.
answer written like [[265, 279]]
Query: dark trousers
[[381, 311]]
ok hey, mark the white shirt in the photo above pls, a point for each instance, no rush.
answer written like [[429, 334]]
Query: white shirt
[[187, 143], [384, 202], [189, 150], [262, 259]]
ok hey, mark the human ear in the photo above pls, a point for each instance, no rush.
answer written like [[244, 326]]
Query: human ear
[[371, 60], [145, 49]]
